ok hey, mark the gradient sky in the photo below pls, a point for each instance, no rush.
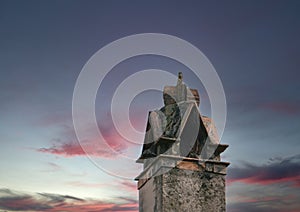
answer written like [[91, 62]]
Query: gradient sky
[[253, 45]]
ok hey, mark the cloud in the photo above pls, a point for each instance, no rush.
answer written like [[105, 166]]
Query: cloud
[[258, 203], [129, 186], [279, 171], [68, 146], [290, 108], [16, 201], [97, 148], [59, 198], [52, 167], [66, 149], [85, 185]]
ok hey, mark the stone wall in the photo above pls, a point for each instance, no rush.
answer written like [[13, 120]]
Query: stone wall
[[187, 190]]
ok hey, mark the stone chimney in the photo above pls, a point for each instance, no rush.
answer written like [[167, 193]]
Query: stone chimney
[[183, 170]]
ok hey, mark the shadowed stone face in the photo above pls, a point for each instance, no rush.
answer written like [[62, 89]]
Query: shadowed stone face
[[173, 120]]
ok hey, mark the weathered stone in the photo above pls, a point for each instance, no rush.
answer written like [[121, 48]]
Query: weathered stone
[[172, 183], [183, 190], [187, 190], [183, 170]]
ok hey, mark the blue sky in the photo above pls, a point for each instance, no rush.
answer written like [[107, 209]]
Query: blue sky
[[254, 47]]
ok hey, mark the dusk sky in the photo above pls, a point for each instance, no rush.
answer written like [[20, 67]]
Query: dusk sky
[[254, 47]]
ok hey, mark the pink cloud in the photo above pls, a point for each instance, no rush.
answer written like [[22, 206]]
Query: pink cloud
[[67, 145], [112, 146], [129, 186], [261, 180]]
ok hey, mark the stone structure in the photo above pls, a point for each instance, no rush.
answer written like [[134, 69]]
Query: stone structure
[[183, 170]]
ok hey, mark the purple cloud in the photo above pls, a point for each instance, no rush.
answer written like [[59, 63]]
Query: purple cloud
[[284, 171], [15, 201]]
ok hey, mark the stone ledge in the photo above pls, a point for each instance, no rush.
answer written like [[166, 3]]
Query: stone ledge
[[164, 163]]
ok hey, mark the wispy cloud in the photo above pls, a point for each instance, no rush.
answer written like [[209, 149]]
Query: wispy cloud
[[257, 203], [52, 167], [280, 171], [67, 145], [286, 107], [106, 149], [16, 201], [85, 185], [129, 186]]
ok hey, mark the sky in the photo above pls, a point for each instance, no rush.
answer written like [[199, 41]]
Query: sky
[[44, 45]]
